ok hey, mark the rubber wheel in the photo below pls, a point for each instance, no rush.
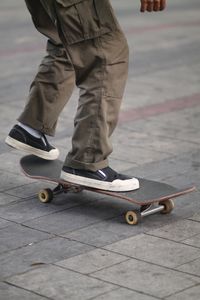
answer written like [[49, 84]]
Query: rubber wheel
[[131, 217], [45, 196], [168, 206]]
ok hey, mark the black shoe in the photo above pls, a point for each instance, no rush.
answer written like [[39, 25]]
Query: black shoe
[[20, 139], [104, 179]]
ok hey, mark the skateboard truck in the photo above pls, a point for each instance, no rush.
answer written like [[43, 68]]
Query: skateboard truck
[[165, 207], [47, 195]]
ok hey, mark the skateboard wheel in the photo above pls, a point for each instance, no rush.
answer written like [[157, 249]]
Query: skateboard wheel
[[45, 195], [168, 206], [132, 217]]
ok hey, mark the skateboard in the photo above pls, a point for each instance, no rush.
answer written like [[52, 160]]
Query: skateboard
[[152, 196]]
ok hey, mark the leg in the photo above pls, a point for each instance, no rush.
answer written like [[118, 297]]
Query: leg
[[50, 90], [101, 83], [99, 53], [100, 63]]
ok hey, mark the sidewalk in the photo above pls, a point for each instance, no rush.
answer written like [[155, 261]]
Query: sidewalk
[[79, 246]]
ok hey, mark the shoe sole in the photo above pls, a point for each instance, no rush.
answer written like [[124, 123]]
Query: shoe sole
[[52, 155], [115, 186]]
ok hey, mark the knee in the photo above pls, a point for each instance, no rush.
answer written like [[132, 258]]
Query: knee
[[115, 47]]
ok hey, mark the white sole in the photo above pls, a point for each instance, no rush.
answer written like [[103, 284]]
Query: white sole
[[115, 186], [51, 155]]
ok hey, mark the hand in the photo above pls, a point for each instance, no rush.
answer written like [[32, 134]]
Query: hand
[[152, 5]]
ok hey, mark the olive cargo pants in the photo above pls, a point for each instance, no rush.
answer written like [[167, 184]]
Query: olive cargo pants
[[85, 47]]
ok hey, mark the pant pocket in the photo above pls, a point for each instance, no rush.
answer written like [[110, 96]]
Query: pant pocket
[[78, 22], [85, 20]]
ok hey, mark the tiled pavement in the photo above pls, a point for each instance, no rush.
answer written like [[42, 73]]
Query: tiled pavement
[[79, 246]]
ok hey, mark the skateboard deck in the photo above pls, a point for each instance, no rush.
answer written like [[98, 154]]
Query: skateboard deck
[[150, 192]]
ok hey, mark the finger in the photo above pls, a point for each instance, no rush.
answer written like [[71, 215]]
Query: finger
[[149, 5], [162, 4], [143, 5], [156, 5]]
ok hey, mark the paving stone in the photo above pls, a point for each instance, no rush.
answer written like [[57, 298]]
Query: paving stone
[[15, 236], [133, 274], [10, 162], [61, 284], [124, 294], [196, 217], [192, 267], [193, 241], [166, 126], [8, 292], [7, 199], [3, 148], [186, 180], [159, 251], [5, 223], [78, 217], [187, 205], [91, 261], [103, 233], [32, 208], [172, 167], [28, 190], [178, 231], [116, 229], [146, 140], [9, 181], [139, 155], [44, 252], [192, 293]]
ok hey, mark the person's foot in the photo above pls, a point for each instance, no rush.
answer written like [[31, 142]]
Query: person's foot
[[104, 179], [20, 139]]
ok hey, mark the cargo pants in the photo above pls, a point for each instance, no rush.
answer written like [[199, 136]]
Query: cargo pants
[[86, 48]]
